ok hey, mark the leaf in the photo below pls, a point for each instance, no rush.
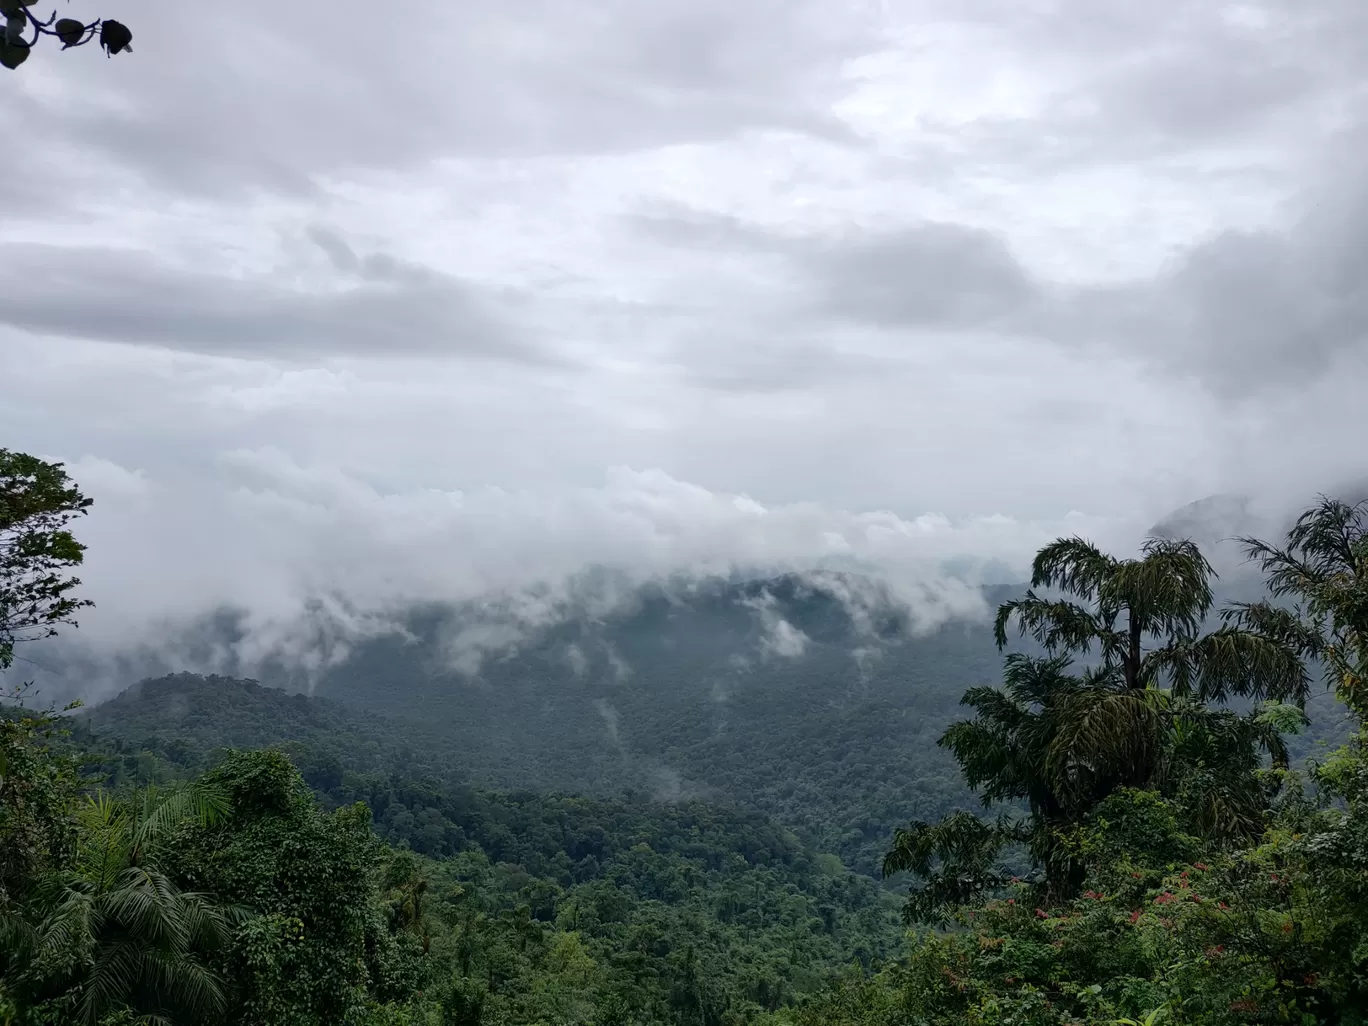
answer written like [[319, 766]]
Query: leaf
[[14, 27], [115, 36], [69, 31], [12, 56], [9, 8]]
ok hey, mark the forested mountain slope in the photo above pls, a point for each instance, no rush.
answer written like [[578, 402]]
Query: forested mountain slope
[[558, 905], [810, 699], [794, 699]]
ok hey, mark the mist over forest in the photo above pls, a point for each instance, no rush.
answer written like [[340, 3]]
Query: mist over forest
[[684, 514]]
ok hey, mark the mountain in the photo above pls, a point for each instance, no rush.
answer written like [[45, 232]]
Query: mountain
[[1211, 521], [817, 707], [816, 698], [543, 905], [808, 697]]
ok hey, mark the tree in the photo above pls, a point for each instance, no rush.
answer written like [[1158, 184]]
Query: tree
[[37, 793], [1145, 617], [1138, 716], [37, 503], [112, 931], [15, 44], [1324, 565], [318, 947], [1156, 671]]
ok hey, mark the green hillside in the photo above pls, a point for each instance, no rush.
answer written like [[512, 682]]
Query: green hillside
[[651, 894]]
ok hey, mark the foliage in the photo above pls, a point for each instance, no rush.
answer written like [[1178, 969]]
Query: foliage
[[112, 931], [1173, 922], [314, 949], [1059, 742], [37, 788], [1324, 564], [1180, 869], [16, 44], [1164, 924], [37, 502]]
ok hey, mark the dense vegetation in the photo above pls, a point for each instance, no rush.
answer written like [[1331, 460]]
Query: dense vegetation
[[1175, 875], [536, 908], [673, 694], [1158, 856]]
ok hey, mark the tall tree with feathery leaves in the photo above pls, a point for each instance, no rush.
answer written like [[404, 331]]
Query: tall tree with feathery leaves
[[1059, 740], [1324, 566], [37, 503]]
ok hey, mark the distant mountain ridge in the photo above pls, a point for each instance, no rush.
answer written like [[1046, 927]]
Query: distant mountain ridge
[[813, 697]]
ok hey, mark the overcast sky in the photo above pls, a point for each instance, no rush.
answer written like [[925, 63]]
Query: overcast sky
[[425, 299]]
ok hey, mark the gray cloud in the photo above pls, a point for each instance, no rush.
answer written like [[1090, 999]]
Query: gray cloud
[[1249, 312], [1139, 82], [930, 274], [270, 96], [1245, 311], [380, 307], [925, 274]]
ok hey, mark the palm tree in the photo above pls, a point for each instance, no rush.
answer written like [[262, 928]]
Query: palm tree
[[1060, 741], [1155, 665], [1324, 564], [1145, 618], [113, 931]]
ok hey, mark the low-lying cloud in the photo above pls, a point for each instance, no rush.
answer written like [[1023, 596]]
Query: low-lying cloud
[[318, 560]]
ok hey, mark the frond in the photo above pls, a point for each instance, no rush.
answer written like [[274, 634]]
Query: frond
[[1287, 627], [1169, 589], [987, 756], [105, 839], [17, 936], [1033, 681], [73, 921], [1236, 661], [1103, 736], [185, 983], [1072, 565], [1282, 718], [161, 811], [1054, 625], [111, 980], [994, 705], [147, 906], [1321, 544], [956, 859]]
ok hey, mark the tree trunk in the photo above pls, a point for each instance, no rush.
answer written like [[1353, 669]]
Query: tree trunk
[[1133, 655]]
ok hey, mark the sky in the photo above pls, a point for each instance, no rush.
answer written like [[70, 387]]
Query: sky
[[439, 300]]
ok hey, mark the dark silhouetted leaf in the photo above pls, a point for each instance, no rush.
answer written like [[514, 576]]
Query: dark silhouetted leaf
[[12, 56], [69, 31], [15, 24], [115, 36]]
